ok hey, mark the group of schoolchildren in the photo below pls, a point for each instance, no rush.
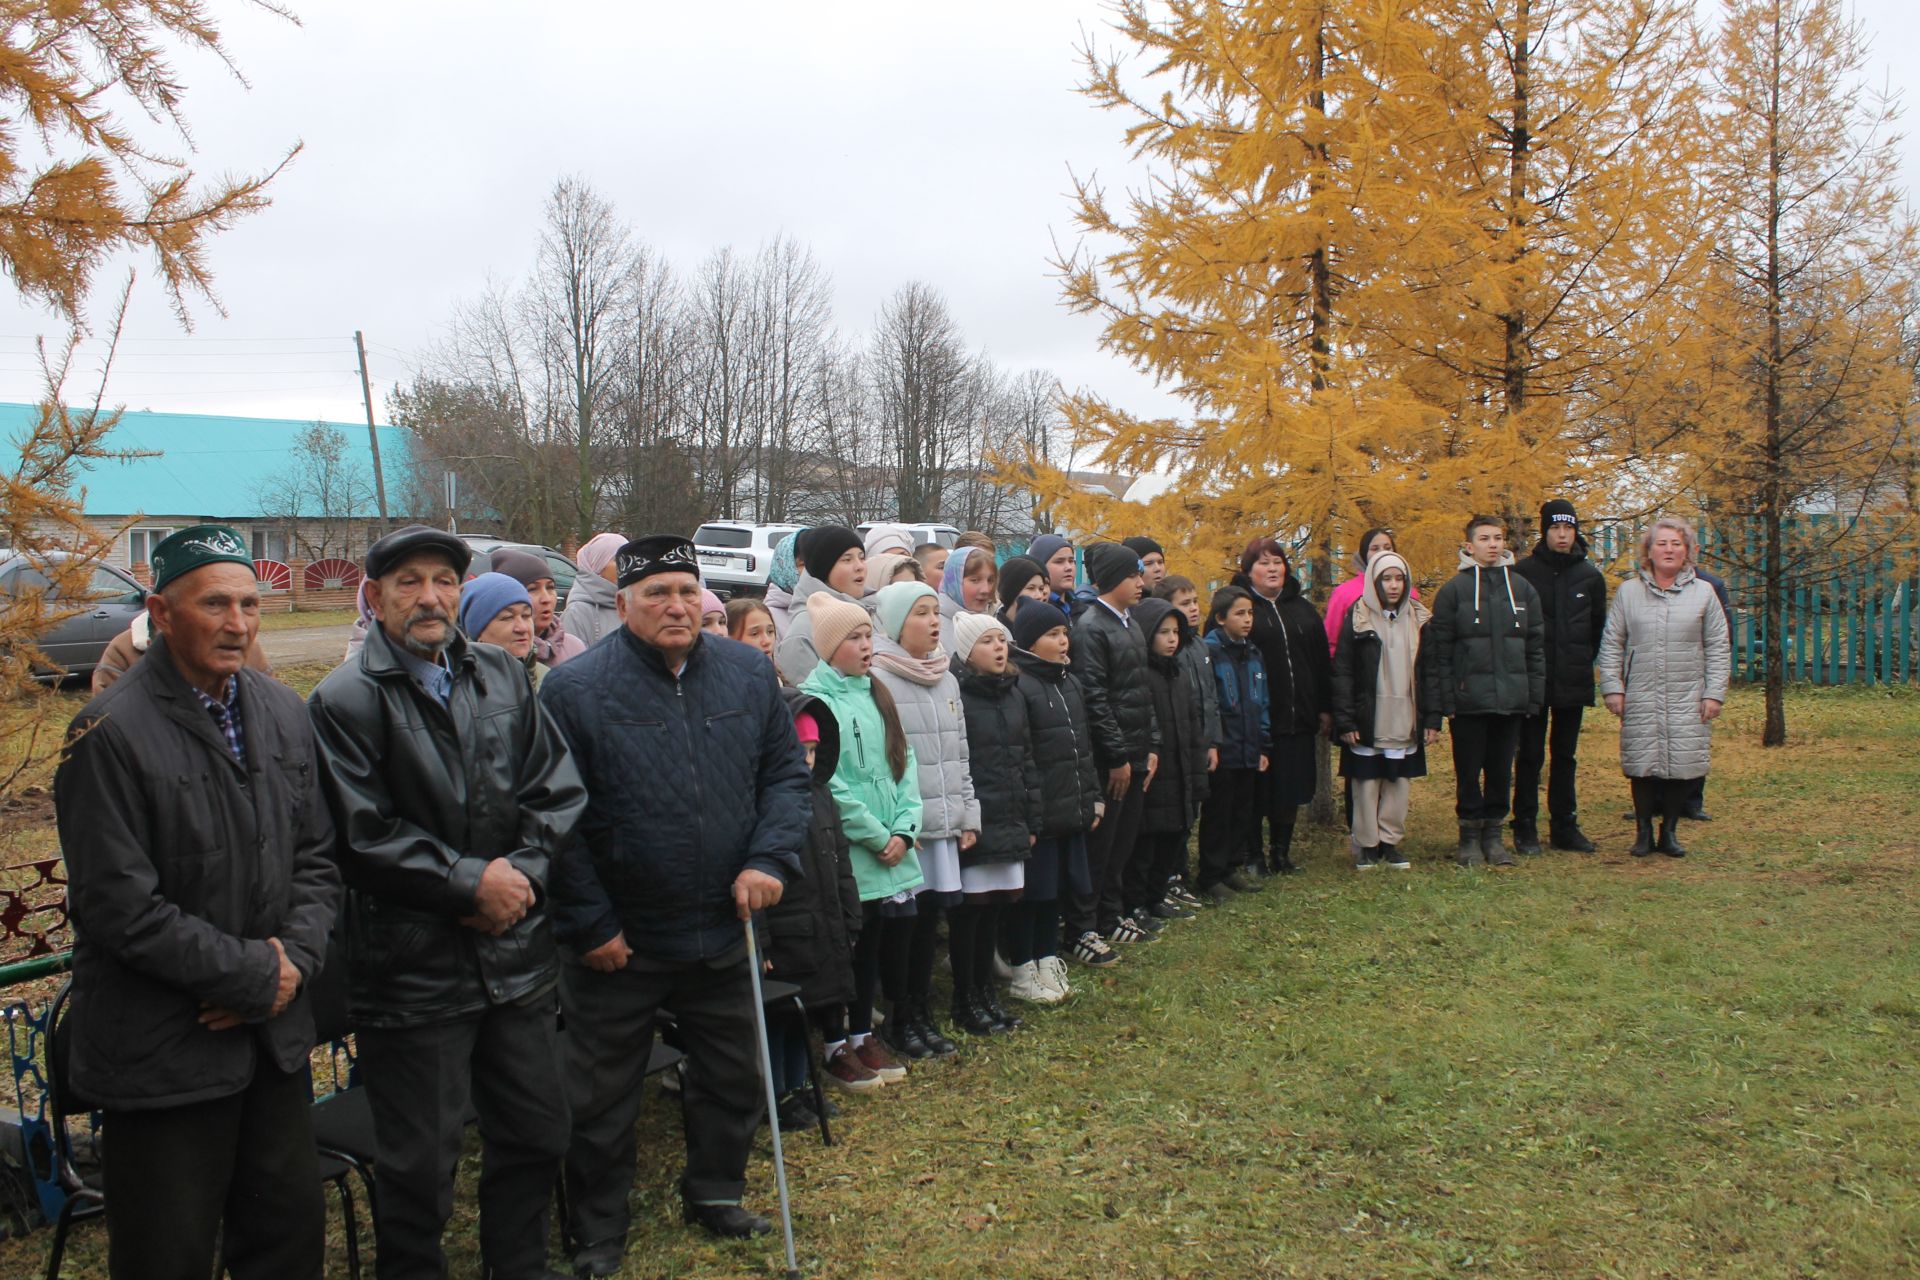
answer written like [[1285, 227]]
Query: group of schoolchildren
[[1022, 752], [1024, 757]]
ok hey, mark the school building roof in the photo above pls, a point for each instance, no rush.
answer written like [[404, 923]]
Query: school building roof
[[203, 465]]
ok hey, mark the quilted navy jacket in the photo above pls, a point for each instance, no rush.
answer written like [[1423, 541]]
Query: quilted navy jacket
[[690, 780]]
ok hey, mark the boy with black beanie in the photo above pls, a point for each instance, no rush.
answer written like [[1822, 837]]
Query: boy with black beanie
[[1573, 602], [1110, 661]]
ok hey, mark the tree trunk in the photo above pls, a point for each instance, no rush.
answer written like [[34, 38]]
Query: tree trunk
[[1320, 338], [1774, 733], [1516, 356]]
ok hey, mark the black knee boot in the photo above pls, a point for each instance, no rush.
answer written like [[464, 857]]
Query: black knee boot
[[1673, 802], [1643, 797]]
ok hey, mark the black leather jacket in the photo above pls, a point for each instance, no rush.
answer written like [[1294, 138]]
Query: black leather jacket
[[424, 796]]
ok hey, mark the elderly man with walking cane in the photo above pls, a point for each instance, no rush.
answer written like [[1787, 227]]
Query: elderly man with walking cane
[[698, 808]]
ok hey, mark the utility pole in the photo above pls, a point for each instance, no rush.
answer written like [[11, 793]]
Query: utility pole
[[373, 434]]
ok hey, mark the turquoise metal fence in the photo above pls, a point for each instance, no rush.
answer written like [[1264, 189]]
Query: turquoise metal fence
[[1846, 623]]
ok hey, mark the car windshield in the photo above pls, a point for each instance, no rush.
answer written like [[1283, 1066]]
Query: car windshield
[[718, 535]]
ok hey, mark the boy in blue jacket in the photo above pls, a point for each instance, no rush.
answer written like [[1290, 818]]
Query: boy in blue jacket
[[1229, 821]]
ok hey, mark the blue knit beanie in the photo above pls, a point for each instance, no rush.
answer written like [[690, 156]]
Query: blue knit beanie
[[482, 599], [1045, 547]]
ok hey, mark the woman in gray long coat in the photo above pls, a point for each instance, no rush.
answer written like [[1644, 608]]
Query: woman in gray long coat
[[1665, 660]]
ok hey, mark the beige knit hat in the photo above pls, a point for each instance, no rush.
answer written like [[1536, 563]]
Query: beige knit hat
[[833, 620]]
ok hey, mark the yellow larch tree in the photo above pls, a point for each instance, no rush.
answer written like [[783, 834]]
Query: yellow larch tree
[[1289, 145], [78, 186], [1804, 449], [1558, 313]]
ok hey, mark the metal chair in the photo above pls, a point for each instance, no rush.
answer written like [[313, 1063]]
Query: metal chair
[[85, 1198], [343, 1119], [780, 994]]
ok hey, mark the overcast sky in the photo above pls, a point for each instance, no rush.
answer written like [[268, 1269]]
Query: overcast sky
[[899, 140]]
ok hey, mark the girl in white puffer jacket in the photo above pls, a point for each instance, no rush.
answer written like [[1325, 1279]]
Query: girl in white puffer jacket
[[909, 659]]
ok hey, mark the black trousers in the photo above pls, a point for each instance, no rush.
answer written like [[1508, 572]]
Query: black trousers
[[882, 958], [1109, 848], [420, 1081], [1483, 751], [172, 1175], [610, 1019], [1555, 731], [1158, 856], [1230, 822]]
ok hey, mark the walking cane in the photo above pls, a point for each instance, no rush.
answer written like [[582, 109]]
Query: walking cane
[[773, 1105]]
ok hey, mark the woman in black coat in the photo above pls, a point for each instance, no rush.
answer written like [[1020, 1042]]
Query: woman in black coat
[[1292, 640]]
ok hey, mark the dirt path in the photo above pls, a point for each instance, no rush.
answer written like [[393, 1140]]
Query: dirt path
[[305, 644]]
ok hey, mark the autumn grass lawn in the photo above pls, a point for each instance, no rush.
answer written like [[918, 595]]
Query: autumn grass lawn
[[1593, 1066], [298, 620]]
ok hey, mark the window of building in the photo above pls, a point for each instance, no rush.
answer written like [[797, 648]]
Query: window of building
[[142, 541], [270, 544]]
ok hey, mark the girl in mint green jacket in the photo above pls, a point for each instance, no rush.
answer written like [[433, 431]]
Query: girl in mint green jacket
[[876, 788]]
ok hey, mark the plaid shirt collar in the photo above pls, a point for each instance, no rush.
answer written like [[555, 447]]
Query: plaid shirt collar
[[225, 711]]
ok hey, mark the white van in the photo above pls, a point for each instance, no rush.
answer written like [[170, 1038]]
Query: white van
[[735, 555]]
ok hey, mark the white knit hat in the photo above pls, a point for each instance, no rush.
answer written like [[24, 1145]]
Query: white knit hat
[[969, 627]]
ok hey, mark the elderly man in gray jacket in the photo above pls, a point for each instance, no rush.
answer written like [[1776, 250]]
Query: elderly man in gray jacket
[[202, 885]]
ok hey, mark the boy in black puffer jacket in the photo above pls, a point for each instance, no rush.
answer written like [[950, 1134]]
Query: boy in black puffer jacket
[[1488, 650], [1110, 662], [1173, 794], [811, 930], [1573, 602], [1007, 782], [1070, 804]]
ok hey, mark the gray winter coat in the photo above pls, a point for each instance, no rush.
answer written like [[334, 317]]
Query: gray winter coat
[[591, 611], [936, 728], [1666, 650], [795, 655]]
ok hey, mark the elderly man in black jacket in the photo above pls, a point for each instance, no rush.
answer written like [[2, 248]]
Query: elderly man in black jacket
[[698, 810], [1573, 603], [201, 884], [1110, 661], [452, 792]]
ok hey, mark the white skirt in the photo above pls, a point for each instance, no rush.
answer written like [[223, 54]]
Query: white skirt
[[993, 877], [940, 864]]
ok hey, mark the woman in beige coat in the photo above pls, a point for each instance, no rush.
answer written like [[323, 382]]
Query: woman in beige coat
[[1665, 660]]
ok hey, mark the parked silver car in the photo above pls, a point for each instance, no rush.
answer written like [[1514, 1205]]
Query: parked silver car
[[110, 600], [564, 570]]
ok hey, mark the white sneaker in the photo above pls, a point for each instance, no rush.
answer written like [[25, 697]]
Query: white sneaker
[[1053, 972], [1027, 986]]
